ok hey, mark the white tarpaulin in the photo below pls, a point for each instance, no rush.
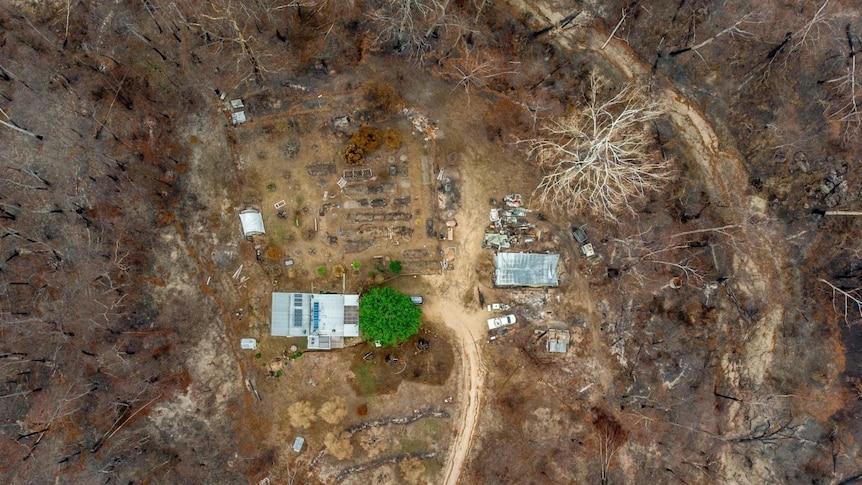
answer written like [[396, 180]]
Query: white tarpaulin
[[252, 222]]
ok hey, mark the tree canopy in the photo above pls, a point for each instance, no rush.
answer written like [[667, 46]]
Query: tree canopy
[[388, 316]]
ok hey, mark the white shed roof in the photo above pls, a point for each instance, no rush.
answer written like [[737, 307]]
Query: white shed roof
[[526, 269], [252, 222], [238, 117]]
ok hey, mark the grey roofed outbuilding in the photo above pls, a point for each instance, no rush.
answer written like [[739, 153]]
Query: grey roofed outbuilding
[[526, 269], [252, 222]]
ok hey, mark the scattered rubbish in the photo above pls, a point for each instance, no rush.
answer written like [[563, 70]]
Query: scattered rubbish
[[588, 251], [513, 200], [497, 307], [509, 227], [237, 272], [278, 205], [421, 123]]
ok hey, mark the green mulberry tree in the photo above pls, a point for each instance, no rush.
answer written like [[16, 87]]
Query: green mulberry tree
[[388, 316]]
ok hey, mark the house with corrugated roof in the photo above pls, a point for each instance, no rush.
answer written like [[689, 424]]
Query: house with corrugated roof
[[324, 319]]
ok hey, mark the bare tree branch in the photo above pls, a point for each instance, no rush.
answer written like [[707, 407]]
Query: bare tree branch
[[851, 298], [602, 157]]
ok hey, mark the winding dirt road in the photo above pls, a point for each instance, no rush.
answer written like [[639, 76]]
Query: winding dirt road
[[724, 175]]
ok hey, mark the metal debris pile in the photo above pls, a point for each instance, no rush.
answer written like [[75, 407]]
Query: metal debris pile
[[509, 226]]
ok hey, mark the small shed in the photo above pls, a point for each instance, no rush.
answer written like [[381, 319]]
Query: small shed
[[297, 444], [252, 222], [238, 117], [248, 344], [558, 341], [526, 269]]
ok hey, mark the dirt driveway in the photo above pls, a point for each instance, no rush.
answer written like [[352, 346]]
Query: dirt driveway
[[468, 325]]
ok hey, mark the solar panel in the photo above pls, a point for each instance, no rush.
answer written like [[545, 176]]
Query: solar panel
[[315, 316], [297, 310]]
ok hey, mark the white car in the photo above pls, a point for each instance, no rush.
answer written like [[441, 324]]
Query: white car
[[495, 323], [497, 307]]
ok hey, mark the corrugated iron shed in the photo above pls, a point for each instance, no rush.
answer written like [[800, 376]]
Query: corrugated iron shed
[[526, 269]]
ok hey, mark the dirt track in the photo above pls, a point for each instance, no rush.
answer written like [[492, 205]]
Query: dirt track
[[468, 324]]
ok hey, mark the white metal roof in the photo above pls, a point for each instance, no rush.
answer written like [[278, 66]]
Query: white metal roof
[[252, 222], [526, 269], [325, 319]]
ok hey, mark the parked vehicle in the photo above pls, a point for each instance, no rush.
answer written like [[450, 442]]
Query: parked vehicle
[[417, 299], [579, 234], [497, 307], [495, 323]]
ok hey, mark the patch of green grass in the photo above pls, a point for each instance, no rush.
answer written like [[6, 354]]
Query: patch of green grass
[[366, 380], [411, 445], [431, 425]]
